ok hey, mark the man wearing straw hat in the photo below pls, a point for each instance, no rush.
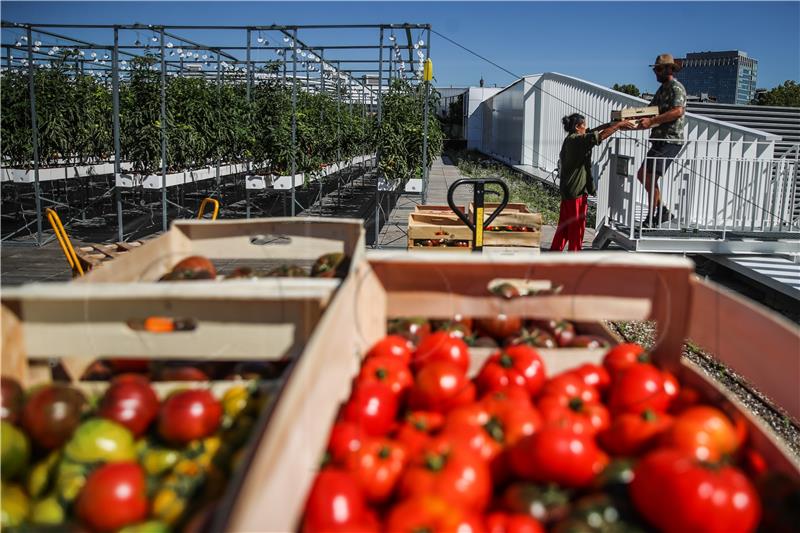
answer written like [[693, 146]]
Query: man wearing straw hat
[[666, 137]]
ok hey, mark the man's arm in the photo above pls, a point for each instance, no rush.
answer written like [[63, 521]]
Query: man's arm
[[673, 114]]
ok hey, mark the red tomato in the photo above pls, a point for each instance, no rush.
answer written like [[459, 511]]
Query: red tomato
[[441, 386], [390, 371], [677, 493], [130, 401], [672, 387], [114, 496], [129, 365], [704, 432], [196, 267], [335, 502], [431, 513], [594, 375], [181, 373], [512, 523], [450, 470], [516, 365], [11, 399], [346, 438], [441, 346], [414, 329], [512, 394], [51, 413], [623, 356], [631, 434], [562, 330], [377, 466], [373, 406], [638, 388], [391, 346], [556, 455], [536, 338], [687, 397], [581, 417], [417, 429], [188, 415], [489, 427], [568, 386], [499, 327], [459, 326]]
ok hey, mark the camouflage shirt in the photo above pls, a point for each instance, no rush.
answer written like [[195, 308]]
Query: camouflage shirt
[[669, 95]]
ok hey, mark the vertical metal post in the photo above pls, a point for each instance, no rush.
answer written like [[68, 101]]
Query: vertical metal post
[[163, 136], [248, 88], [322, 68], [294, 114], [249, 72], [117, 144], [378, 152], [338, 135], [425, 123], [219, 114], [34, 139]]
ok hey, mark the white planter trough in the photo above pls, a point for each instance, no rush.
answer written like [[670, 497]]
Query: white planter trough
[[154, 181], [22, 175], [256, 182]]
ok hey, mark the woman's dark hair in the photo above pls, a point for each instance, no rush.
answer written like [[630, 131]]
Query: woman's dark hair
[[571, 122]]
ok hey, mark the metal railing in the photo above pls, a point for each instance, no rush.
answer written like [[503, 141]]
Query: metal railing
[[713, 189]]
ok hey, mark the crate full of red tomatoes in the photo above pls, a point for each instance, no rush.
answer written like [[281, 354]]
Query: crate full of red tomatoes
[[453, 393]]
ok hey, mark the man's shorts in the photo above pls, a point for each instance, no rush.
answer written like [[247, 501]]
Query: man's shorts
[[661, 155]]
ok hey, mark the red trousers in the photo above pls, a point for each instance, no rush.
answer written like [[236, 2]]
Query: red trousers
[[571, 224]]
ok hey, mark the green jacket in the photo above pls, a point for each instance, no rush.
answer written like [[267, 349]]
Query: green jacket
[[576, 165]]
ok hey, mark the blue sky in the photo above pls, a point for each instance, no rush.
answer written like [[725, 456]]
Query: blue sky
[[583, 39]]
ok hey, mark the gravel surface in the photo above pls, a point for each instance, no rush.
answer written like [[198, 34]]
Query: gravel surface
[[644, 332]]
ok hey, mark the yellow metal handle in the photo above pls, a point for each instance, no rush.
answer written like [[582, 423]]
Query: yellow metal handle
[[204, 203], [63, 240]]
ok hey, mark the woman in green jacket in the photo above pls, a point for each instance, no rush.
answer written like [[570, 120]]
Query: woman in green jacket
[[575, 176]]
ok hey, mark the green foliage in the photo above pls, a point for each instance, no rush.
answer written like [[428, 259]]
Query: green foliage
[[209, 120], [72, 114], [627, 88], [400, 138], [786, 95]]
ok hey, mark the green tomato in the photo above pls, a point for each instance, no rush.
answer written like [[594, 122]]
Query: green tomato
[[47, 512], [40, 475], [101, 440], [16, 450], [14, 505], [151, 526], [70, 479], [157, 461]]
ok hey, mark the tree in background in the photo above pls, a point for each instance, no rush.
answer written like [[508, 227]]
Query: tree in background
[[628, 88], [786, 95]]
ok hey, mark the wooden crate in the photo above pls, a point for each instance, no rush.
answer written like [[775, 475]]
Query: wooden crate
[[32, 370], [594, 286], [254, 242], [269, 320], [94, 255], [424, 226]]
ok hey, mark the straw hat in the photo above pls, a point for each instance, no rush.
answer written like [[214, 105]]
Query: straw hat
[[666, 60]]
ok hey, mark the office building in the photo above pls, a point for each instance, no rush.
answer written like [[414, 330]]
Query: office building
[[729, 76]]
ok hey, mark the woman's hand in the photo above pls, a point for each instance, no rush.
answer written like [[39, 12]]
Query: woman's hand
[[626, 125]]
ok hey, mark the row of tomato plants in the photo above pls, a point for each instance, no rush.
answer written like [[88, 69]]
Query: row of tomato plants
[[619, 446], [207, 122]]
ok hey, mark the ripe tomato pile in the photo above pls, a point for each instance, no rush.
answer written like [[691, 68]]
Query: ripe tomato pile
[[620, 446], [198, 267], [124, 461]]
